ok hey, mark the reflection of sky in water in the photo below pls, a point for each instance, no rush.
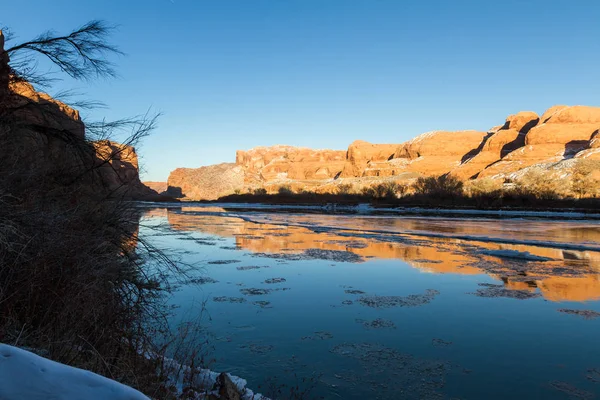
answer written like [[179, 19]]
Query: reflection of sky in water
[[501, 347]]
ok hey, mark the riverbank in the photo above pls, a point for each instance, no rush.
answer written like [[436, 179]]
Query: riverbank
[[425, 204]]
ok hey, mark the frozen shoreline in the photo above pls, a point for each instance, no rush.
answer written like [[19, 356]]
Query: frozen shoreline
[[367, 209], [26, 375]]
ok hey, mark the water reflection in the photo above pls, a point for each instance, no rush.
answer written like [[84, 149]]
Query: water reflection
[[559, 274]]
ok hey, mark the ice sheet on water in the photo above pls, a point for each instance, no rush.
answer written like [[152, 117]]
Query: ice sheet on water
[[514, 254]]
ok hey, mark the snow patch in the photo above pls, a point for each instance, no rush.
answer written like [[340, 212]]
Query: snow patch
[[25, 375]]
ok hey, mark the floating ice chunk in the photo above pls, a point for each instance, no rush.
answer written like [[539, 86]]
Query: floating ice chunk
[[520, 255]]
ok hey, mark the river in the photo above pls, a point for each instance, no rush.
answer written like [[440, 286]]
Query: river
[[365, 305]]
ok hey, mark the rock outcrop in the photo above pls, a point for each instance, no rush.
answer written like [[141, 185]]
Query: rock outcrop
[[439, 152], [549, 143], [562, 134], [158, 187], [282, 163], [118, 165], [367, 159], [501, 142], [45, 133], [206, 183]]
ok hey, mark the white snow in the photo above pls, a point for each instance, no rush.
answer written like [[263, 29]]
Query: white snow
[[207, 378], [27, 376]]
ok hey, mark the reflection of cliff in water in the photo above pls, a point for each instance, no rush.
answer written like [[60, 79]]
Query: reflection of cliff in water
[[569, 276]]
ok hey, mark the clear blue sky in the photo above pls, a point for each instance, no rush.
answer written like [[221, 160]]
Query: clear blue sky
[[234, 74]]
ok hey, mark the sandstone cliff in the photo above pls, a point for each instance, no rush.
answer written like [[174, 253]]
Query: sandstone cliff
[[563, 133], [281, 163], [550, 144], [118, 165], [205, 183], [45, 133], [158, 187]]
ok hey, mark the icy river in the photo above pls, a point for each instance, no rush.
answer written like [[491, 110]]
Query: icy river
[[355, 304]]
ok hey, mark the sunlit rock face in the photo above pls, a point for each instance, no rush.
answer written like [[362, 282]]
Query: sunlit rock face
[[440, 152], [368, 159], [566, 276], [500, 142], [158, 187], [563, 133], [206, 183], [282, 163], [548, 143]]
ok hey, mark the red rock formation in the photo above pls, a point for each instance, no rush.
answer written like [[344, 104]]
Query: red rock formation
[[281, 163], [502, 141], [46, 132], [439, 152], [525, 139], [563, 133], [205, 183], [118, 165], [158, 187], [363, 156]]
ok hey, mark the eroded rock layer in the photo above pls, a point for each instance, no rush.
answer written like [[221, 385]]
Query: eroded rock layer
[[47, 135], [550, 143]]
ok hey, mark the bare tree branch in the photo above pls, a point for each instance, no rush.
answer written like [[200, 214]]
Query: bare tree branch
[[82, 54]]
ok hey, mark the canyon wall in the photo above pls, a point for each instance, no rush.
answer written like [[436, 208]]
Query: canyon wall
[[551, 143], [47, 135]]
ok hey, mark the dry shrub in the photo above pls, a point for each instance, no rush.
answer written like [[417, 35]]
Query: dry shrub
[[586, 178], [484, 187], [76, 282], [541, 185], [345, 189], [438, 186], [285, 190], [387, 190]]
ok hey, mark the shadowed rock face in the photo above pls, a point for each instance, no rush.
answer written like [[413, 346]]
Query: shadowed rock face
[[118, 164], [502, 141], [44, 131]]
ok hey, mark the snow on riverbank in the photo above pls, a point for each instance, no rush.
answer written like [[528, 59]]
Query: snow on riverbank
[[27, 376], [207, 379]]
